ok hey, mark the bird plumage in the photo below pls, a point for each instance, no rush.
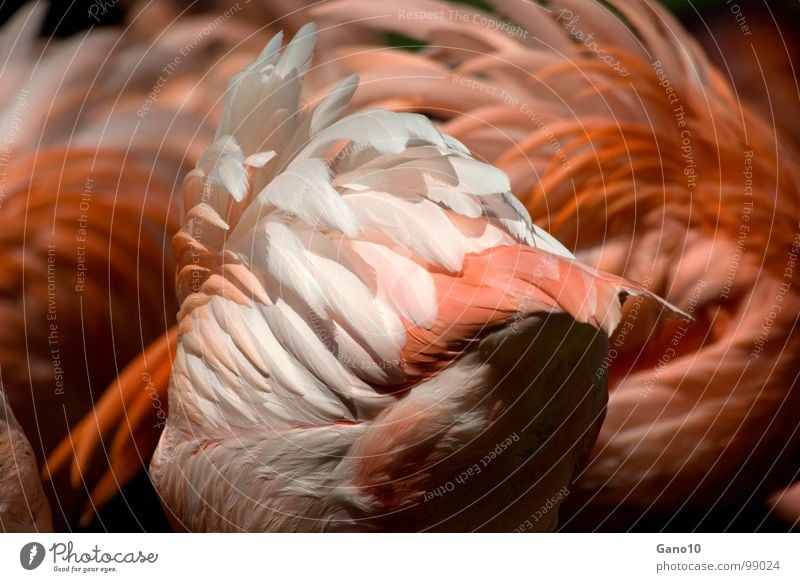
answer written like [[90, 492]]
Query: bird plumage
[[621, 138], [357, 295], [592, 143]]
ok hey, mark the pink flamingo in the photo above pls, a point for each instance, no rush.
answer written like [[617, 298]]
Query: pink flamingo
[[372, 334]]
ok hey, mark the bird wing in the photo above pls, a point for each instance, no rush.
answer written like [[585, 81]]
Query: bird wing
[[328, 267], [316, 274], [620, 136]]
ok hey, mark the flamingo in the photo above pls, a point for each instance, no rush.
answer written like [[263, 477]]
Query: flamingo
[[368, 320], [621, 138]]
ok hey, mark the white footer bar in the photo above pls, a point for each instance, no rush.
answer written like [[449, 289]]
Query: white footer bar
[[390, 557]]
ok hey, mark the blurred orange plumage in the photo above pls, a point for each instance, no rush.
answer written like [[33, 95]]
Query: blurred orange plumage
[[87, 216]]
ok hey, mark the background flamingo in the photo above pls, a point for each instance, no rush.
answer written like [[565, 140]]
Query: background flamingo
[[365, 312], [89, 162]]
